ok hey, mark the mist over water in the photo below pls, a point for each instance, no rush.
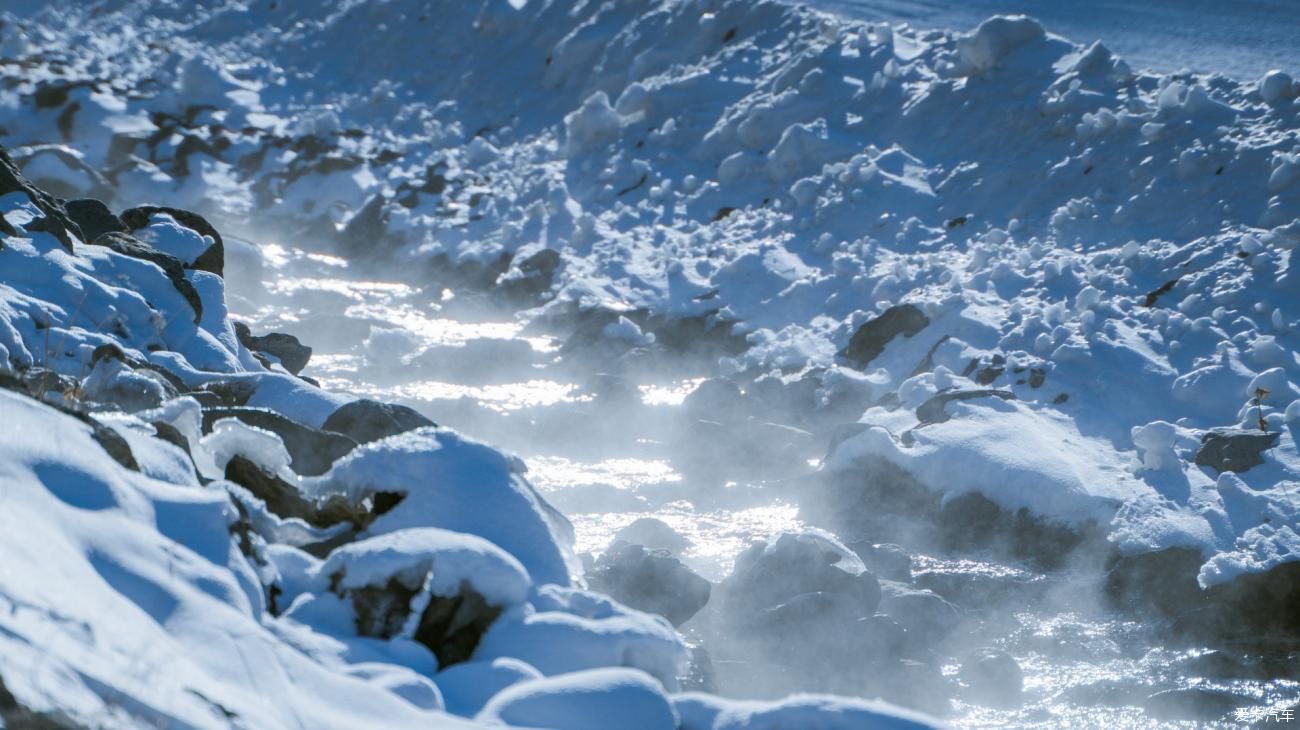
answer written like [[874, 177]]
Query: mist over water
[[613, 440]]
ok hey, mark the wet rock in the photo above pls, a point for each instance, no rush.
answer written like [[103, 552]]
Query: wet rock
[[94, 218], [871, 338], [886, 560], [768, 575], [313, 452], [1235, 450], [56, 220], [932, 410], [291, 353], [654, 534], [650, 580], [924, 614], [1162, 581], [993, 677], [700, 675], [1258, 606], [212, 260], [715, 399], [366, 420], [128, 245]]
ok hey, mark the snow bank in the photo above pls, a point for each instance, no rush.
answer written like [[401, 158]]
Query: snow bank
[[592, 700], [457, 484]]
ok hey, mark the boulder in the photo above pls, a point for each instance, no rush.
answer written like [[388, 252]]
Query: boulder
[[650, 580], [871, 338], [212, 260], [768, 575], [1235, 450], [886, 560], [367, 420], [291, 353], [312, 451], [94, 218]]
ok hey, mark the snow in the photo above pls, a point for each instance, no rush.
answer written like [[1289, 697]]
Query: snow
[[454, 483], [447, 559], [1126, 236], [592, 700]]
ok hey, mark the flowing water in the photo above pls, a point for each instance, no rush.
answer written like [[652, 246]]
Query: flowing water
[[606, 451]]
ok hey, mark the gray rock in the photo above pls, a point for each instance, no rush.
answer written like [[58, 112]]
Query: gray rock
[[1235, 450], [650, 580], [653, 533], [291, 353], [312, 451], [925, 615], [932, 410], [56, 220], [367, 420], [872, 337]]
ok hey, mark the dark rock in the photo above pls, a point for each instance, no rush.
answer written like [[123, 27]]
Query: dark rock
[[452, 626], [1037, 376], [536, 275], [1235, 450], [886, 560], [291, 353], [1161, 581], [114, 444], [367, 420], [228, 392], [650, 580], [212, 260], [56, 220], [313, 452], [367, 229], [872, 337], [129, 245], [169, 433], [284, 499], [932, 410], [993, 677], [94, 218]]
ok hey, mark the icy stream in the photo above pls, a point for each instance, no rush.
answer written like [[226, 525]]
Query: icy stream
[[604, 455]]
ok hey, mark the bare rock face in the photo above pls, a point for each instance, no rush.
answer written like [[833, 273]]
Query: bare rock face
[[312, 451], [1235, 450], [872, 337], [650, 580]]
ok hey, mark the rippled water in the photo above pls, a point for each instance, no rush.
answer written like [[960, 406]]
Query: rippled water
[[486, 376]]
